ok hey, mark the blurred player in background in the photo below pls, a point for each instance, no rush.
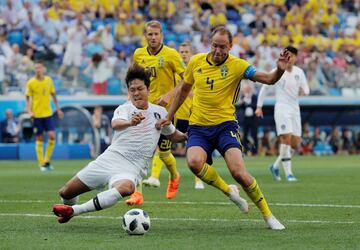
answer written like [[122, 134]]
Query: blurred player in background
[[126, 160], [38, 92], [163, 63], [291, 85], [216, 77], [181, 121]]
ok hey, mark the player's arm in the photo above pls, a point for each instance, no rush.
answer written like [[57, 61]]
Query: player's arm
[[58, 110], [272, 77], [164, 99], [28, 106], [304, 88], [178, 136], [121, 124]]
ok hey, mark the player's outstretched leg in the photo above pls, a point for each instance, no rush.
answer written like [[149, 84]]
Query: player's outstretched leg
[[255, 194], [103, 200], [170, 162]]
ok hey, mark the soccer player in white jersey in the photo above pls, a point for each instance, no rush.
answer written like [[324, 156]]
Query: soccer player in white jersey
[[126, 160], [291, 85]]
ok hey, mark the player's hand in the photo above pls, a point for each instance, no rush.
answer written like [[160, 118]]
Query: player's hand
[[60, 114], [29, 112], [259, 112], [163, 100], [136, 119], [162, 123], [301, 92], [283, 60]]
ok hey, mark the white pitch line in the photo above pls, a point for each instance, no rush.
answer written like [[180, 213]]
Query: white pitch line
[[184, 219], [206, 203]]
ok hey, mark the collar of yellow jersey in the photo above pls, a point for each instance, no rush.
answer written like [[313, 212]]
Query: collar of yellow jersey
[[157, 52], [209, 60]]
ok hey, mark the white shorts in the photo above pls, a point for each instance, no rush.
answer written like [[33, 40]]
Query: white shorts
[[288, 123], [72, 58], [108, 168]]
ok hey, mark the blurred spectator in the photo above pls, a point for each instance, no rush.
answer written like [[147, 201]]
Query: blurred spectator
[[306, 142], [103, 125], [267, 146], [123, 30], [14, 64], [204, 45], [2, 72], [218, 17], [347, 142], [258, 24], [248, 101], [73, 52], [107, 38], [9, 128], [334, 140], [5, 47], [357, 143], [137, 29], [99, 69]]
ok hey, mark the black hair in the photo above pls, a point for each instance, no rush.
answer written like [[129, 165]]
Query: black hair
[[222, 30], [137, 72], [292, 50]]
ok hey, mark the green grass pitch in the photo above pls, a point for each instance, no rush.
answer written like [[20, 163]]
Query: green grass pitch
[[320, 211]]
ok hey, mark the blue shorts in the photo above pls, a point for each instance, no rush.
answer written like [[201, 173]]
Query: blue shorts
[[221, 137], [43, 124], [182, 125]]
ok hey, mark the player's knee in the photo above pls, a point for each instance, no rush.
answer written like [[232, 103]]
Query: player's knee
[[64, 193], [195, 163], [241, 176], [125, 188]]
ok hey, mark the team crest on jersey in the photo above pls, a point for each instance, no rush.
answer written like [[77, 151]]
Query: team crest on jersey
[[157, 116], [161, 62], [283, 127], [224, 71]]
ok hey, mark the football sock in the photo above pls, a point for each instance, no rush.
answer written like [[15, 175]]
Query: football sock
[[170, 163], [70, 202], [282, 149], [49, 150], [39, 152], [286, 161], [210, 176], [103, 200], [157, 165], [255, 194]]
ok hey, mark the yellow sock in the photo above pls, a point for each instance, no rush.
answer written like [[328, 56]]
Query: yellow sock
[[255, 194], [49, 150], [157, 165], [169, 160], [209, 175], [139, 188], [39, 152]]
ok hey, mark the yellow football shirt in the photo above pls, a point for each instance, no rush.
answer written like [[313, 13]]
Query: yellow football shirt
[[163, 65], [216, 88], [40, 92]]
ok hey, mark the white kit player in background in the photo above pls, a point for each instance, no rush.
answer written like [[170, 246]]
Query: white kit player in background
[[126, 160], [287, 117]]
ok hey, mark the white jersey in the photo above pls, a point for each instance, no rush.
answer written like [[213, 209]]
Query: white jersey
[[287, 91], [138, 143]]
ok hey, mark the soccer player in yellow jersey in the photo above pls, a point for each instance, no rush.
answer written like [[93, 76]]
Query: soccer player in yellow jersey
[[181, 121], [216, 77], [38, 92], [163, 63]]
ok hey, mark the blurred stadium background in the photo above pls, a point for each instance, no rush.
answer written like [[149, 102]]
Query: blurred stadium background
[[326, 32]]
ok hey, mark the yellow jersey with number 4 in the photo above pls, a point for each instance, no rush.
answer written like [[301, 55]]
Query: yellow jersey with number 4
[[40, 92], [216, 88], [163, 65]]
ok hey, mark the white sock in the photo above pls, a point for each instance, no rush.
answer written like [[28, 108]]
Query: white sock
[[282, 150], [286, 161], [103, 200], [70, 202]]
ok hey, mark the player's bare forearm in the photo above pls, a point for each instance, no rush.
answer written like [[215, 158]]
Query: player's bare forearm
[[268, 78], [181, 93], [178, 136]]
